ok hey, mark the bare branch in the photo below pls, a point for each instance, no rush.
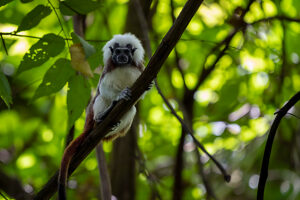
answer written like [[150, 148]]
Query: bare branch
[[265, 163], [105, 185]]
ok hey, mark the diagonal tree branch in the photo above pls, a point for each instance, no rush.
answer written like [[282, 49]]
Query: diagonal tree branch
[[265, 164], [140, 86]]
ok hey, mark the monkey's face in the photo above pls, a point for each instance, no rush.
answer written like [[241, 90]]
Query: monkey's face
[[122, 55]]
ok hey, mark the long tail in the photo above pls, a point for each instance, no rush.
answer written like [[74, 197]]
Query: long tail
[[70, 151], [64, 167]]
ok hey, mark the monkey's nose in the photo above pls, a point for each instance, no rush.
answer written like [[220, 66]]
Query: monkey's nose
[[122, 59]]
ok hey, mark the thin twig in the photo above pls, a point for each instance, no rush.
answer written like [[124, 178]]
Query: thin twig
[[293, 115], [60, 23], [190, 132], [4, 46], [265, 163], [14, 34]]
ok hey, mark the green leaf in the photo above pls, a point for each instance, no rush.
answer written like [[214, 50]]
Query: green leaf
[[65, 9], [48, 46], [34, 17], [5, 91], [55, 78], [88, 49], [72, 7], [4, 2], [78, 97]]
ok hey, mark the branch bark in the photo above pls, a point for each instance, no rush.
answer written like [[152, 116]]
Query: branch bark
[[265, 164], [153, 67]]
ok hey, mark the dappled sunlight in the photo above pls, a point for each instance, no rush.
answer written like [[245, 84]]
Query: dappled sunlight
[[229, 74], [212, 14]]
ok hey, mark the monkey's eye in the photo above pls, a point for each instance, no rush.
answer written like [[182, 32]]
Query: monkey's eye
[[129, 46], [118, 51], [126, 51], [116, 45]]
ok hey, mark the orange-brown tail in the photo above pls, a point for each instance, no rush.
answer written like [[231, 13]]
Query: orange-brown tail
[[69, 153], [64, 167]]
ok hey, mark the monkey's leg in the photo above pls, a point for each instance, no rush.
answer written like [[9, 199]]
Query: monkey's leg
[[125, 94]]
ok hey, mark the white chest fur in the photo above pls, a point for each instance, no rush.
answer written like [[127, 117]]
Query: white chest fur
[[115, 81]]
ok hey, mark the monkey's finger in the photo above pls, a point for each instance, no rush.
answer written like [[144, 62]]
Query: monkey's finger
[[126, 94]]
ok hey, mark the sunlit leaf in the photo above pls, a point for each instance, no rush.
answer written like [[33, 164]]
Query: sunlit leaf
[[48, 46], [72, 7], [4, 2], [55, 78], [78, 60], [34, 17], [5, 91], [78, 96]]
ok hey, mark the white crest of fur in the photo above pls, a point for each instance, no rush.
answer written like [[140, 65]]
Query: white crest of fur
[[123, 40]]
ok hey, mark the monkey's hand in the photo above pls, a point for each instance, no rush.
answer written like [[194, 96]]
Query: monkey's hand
[[125, 94]]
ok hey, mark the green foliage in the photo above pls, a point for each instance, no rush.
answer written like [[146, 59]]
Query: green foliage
[[72, 7], [232, 109], [34, 17], [26, 1], [5, 91], [55, 78], [4, 2], [48, 46], [78, 97]]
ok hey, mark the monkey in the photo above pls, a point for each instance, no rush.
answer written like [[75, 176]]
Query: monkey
[[123, 58]]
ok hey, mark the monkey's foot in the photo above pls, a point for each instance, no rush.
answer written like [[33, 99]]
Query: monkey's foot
[[150, 85], [115, 126], [125, 94]]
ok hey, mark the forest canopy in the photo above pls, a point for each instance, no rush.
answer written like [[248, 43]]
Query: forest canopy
[[228, 76]]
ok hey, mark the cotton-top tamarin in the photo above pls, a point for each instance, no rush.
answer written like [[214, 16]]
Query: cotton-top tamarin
[[123, 58]]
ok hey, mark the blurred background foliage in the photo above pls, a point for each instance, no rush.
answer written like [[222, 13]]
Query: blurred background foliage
[[230, 71]]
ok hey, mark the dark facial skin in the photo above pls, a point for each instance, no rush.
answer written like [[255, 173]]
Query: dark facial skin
[[122, 55]]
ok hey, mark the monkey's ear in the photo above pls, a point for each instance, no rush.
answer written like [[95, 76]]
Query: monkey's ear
[[111, 49], [133, 50]]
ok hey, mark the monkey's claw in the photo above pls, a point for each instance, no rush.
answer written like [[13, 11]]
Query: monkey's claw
[[150, 86], [115, 126], [125, 94]]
